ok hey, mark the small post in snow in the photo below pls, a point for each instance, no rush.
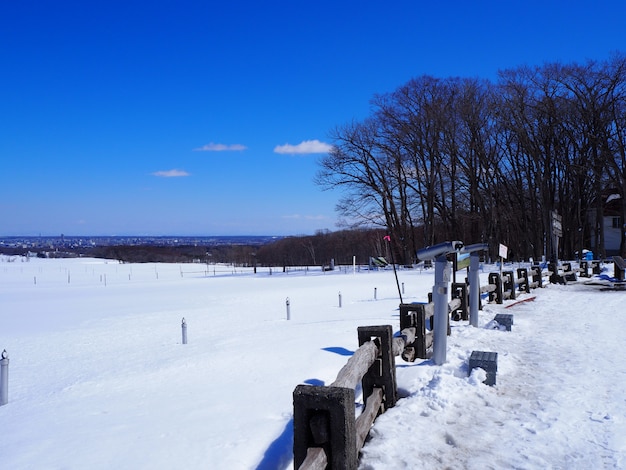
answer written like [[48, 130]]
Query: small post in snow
[[288, 309], [4, 378], [339, 299], [375, 294], [184, 328]]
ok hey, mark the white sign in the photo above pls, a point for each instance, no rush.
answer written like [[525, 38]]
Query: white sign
[[504, 250]]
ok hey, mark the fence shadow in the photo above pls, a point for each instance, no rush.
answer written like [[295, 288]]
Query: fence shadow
[[339, 350], [280, 452]]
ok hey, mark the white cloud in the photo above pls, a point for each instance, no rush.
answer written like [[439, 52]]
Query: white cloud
[[170, 173], [306, 146], [220, 148]]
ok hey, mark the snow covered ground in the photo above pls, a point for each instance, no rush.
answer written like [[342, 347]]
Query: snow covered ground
[[100, 379]]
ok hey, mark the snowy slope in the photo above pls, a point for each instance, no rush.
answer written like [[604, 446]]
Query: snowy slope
[[99, 378]]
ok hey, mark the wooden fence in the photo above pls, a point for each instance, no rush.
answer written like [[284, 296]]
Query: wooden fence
[[327, 433], [507, 287]]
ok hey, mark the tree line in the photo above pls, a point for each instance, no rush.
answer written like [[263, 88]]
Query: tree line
[[311, 250], [343, 247], [488, 161]]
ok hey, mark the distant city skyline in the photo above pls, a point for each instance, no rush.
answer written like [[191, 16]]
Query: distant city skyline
[[208, 118]]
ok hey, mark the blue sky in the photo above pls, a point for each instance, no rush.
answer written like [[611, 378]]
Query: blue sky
[[208, 118]]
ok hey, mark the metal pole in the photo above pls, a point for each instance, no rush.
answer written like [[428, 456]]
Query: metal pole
[[393, 262], [4, 378], [184, 328], [474, 286], [440, 299], [288, 309]]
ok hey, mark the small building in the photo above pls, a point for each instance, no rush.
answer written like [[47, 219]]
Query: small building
[[612, 224]]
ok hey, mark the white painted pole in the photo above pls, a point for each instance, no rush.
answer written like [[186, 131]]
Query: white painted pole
[[4, 378], [184, 328], [288, 309], [440, 299]]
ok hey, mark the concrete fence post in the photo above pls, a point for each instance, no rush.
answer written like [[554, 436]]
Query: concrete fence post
[[382, 373], [325, 417], [4, 378]]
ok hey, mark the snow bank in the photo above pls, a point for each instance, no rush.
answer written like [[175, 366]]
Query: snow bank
[[99, 378]]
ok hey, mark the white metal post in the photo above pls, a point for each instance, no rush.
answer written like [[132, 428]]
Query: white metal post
[[184, 328], [440, 300], [4, 378]]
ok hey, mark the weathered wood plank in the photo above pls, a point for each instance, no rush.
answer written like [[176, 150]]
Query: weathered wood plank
[[351, 374], [454, 304], [366, 419], [487, 288], [407, 336], [316, 459]]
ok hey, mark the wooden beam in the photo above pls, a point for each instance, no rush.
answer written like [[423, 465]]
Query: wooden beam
[[351, 374], [366, 419], [316, 459]]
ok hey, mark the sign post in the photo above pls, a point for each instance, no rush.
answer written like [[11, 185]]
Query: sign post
[[557, 232], [503, 253]]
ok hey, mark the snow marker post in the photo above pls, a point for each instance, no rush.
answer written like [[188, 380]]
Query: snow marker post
[[184, 328], [288, 309], [339, 299], [4, 378]]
